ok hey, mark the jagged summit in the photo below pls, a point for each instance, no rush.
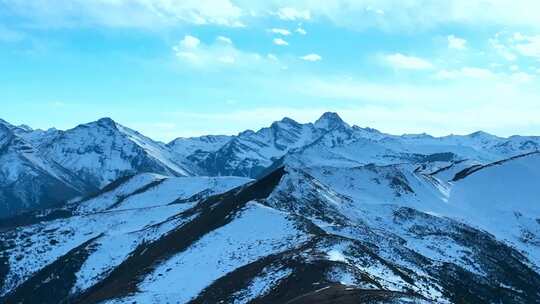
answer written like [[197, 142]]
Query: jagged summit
[[104, 150], [106, 122], [285, 123], [330, 121], [288, 120]]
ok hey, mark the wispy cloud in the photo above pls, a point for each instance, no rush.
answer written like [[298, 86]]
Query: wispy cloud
[[290, 13], [311, 57], [220, 53], [127, 13], [280, 31], [529, 46], [400, 61], [457, 43], [301, 31], [280, 41], [357, 14]]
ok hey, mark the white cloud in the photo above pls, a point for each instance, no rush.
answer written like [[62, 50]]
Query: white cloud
[[280, 31], [518, 37], [224, 39], [301, 31], [400, 61], [356, 14], [311, 57], [190, 42], [412, 15], [529, 46], [510, 46], [128, 13], [219, 54], [502, 49], [279, 41], [289, 13], [272, 57], [456, 43]]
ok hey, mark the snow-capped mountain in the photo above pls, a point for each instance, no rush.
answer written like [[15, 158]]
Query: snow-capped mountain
[[204, 144], [42, 168], [301, 234], [102, 151], [28, 180], [330, 139], [249, 153], [336, 212]]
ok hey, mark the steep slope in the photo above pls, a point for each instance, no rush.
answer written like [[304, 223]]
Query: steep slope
[[104, 151], [503, 198], [331, 141], [30, 181], [197, 145], [249, 153], [103, 236], [287, 238]]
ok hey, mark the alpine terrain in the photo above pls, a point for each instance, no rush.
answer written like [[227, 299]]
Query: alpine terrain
[[294, 213]]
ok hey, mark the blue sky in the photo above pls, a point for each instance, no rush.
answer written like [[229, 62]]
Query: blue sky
[[185, 68]]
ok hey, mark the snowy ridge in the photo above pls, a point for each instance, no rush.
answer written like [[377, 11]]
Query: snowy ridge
[[29, 180], [100, 152], [103, 151], [299, 233], [336, 212]]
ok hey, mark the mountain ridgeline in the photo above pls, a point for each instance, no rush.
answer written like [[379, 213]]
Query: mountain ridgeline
[[40, 169], [322, 212]]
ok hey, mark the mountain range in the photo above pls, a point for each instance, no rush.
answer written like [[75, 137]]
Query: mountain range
[[321, 212]]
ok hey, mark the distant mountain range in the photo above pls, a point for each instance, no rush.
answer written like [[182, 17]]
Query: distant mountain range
[[46, 168], [295, 213]]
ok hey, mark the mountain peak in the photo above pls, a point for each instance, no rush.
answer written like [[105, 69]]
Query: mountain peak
[[288, 120], [481, 134], [330, 121], [285, 122], [106, 122]]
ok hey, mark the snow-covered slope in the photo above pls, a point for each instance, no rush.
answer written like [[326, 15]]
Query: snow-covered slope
[[30, 181], [191, 145], [298, 235], [110, 225], [331, 141], [504, 199], [249, 153], [340, 212], [103, 151]]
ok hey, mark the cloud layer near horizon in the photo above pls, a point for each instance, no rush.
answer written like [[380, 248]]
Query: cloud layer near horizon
[[400, 66]]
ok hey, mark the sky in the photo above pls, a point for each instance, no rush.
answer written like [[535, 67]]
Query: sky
[[191, 67]]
